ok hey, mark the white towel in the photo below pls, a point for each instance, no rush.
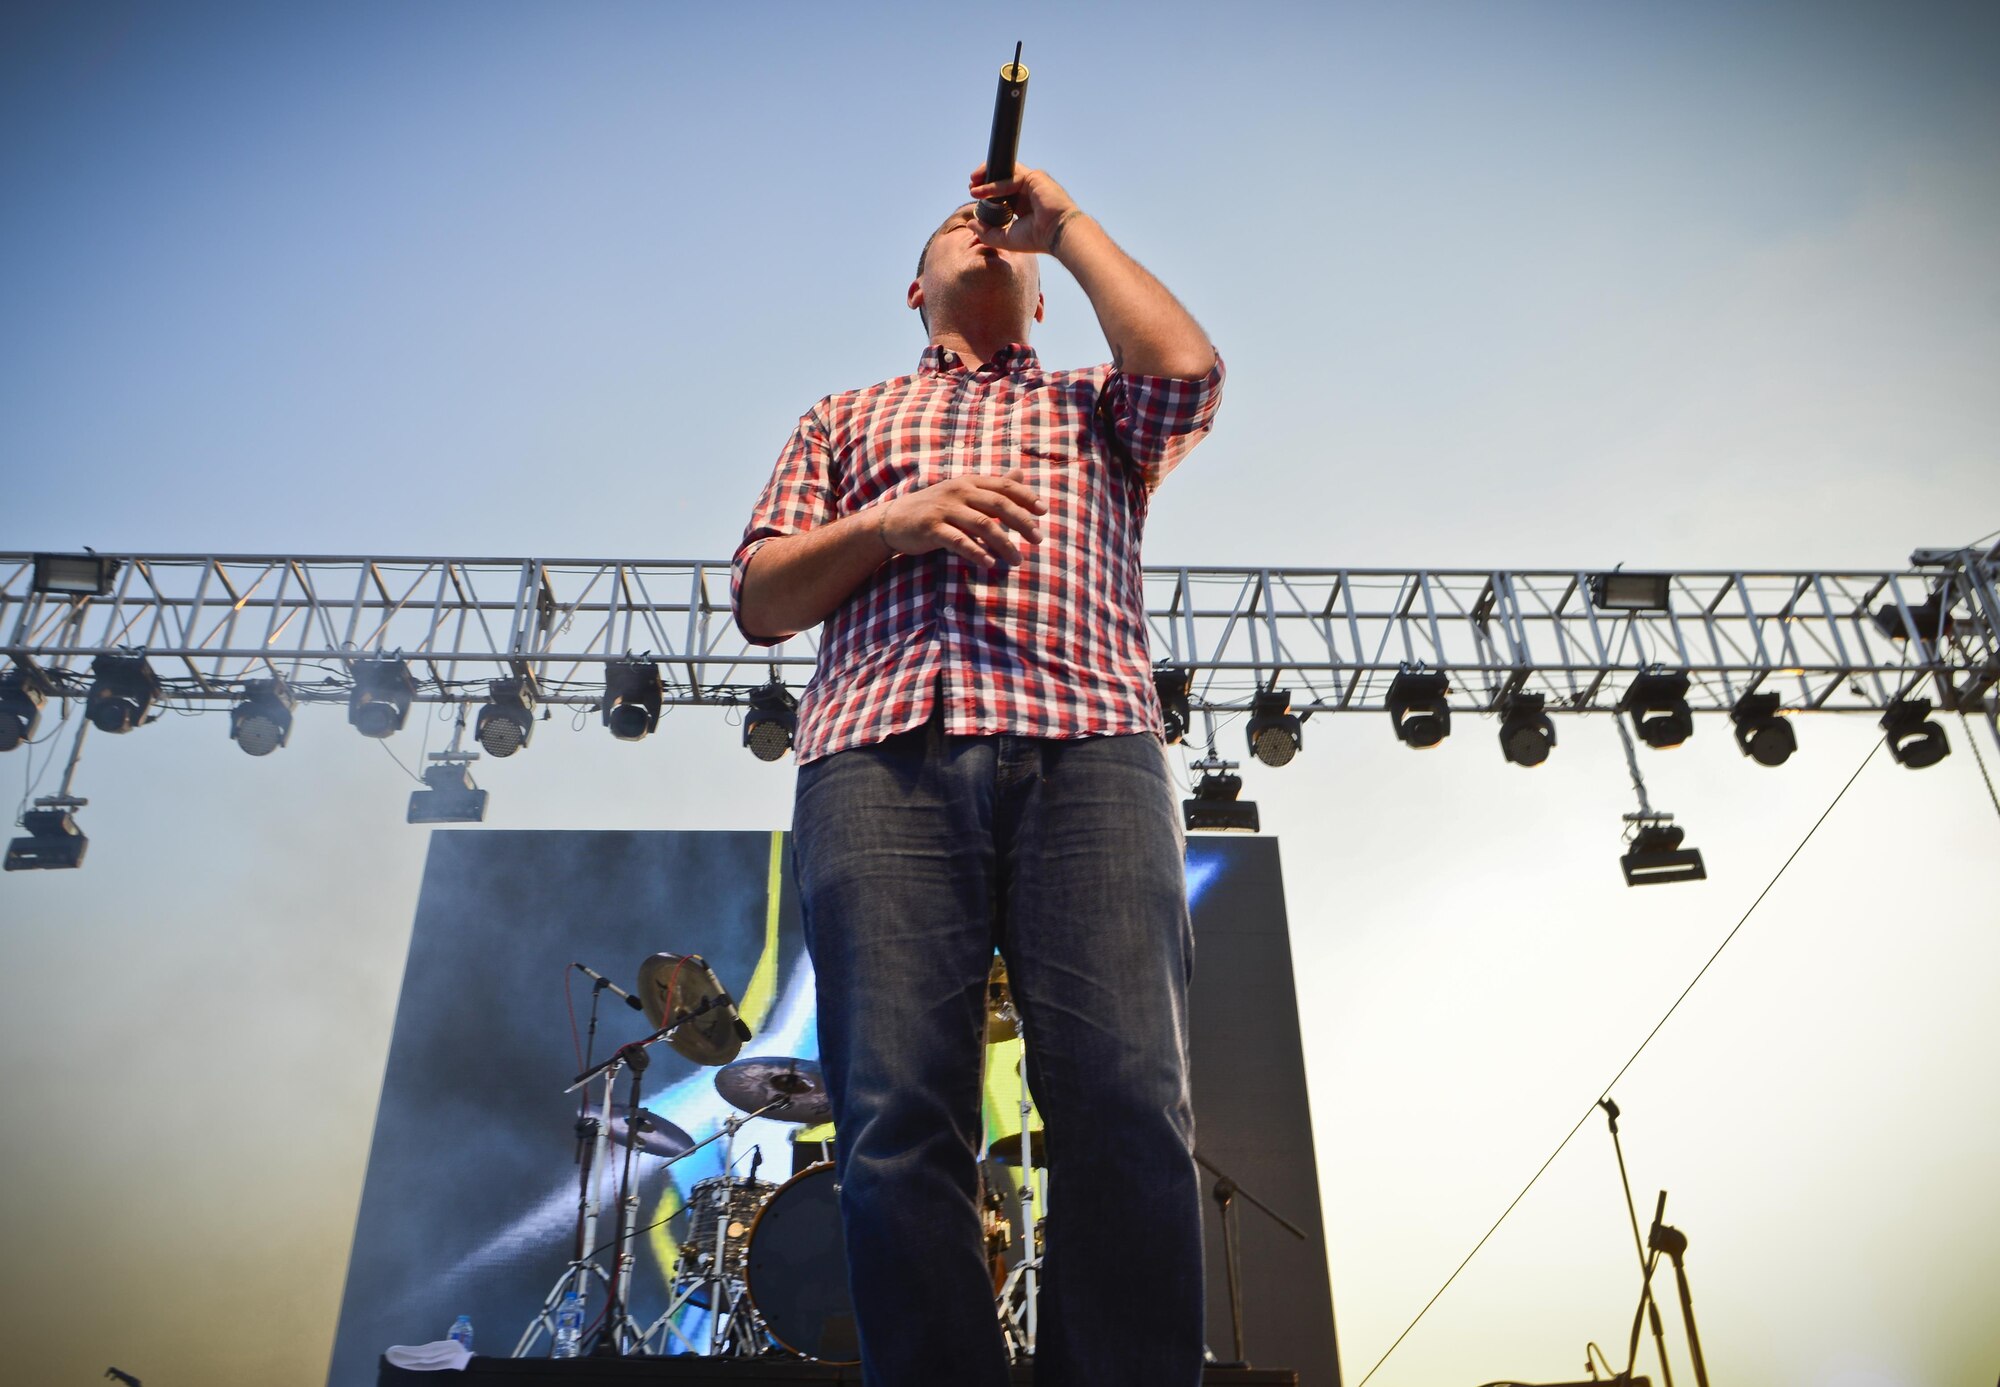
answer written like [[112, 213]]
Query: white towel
[[445, 1354]]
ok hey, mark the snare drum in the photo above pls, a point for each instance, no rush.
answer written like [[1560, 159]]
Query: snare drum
[[798, 1269], [718, 1206]]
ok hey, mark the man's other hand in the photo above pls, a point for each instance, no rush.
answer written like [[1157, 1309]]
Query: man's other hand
[[984, 520]]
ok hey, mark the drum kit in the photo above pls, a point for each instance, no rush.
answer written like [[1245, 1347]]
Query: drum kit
[[762, 1266]]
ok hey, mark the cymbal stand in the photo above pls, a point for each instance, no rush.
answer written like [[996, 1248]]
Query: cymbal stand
[[594, 1137], [1023, 1283], [731, 1319], [1226, 1190]]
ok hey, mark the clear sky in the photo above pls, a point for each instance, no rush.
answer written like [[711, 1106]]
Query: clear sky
[[1520, 284]]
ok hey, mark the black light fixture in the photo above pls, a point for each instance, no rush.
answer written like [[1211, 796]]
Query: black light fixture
[[768, 726], [1172, 684], [1914, 740], [22, 694], [1657, 702], [1417, 707], [1655, 856], [1619, 591], [125, 686], [450, 797], [1215, 807], [262, 722], [53, 840], [1929, 620], [1764, 736], [632, 697], [1274, 733], [508, 720], [74, 575], [1526, 734], [380, 702]]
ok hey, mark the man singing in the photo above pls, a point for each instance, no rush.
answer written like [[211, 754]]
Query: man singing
[[980, 767]]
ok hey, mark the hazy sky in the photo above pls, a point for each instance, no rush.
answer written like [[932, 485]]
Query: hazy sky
[[1515, 284]]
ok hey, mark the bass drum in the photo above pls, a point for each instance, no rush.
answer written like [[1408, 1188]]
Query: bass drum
[[797, 1274]]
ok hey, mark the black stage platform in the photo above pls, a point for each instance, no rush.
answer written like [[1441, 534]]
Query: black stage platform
[[691, 1371]]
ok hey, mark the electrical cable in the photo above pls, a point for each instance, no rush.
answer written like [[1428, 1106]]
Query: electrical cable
[[1634, 1059]]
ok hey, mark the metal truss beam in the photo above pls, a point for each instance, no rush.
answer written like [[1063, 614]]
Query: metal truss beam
[[1827, 641]]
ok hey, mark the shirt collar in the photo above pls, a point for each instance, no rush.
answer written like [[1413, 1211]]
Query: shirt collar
[[1015, 356]]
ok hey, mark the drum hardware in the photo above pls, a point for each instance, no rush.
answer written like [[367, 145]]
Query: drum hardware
[[1226, 1190], [1019, 1293], [703, 1006]]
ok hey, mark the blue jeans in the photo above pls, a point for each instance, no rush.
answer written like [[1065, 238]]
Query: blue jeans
[[916, 858]]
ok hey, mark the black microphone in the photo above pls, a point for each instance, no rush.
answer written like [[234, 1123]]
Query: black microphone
[[1005, 142], [719, 997], [756, 1160], [602, 981]]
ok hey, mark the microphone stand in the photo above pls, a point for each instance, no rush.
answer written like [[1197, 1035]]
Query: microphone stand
[[1647, 1304], [1226, 1190]]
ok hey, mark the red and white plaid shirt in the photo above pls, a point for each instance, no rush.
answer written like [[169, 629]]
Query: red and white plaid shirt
[[1053, 647]]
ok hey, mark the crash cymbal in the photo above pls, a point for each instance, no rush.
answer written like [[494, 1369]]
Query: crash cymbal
[[657, 1136], [1007, 1149], [750, 1084], [1001, 1021], [711, 1038]]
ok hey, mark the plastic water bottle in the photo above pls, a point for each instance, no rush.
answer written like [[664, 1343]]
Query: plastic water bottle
[[569, 1327], [461, 1332]]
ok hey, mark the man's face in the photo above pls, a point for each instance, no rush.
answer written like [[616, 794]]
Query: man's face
[[957, 264]]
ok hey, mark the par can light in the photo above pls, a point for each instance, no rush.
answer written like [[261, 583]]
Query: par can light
[[768, 726], [632, 697], [508, 720], [125, 687], [380, 702], [1657, 702], [1761, 733], [1914, 740], [1418, 709], [1274, 733], [262, 722]]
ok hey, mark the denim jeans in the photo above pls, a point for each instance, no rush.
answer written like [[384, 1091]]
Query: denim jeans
[[916, 858]]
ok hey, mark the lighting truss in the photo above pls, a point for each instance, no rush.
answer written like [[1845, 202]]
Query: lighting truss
[[1335, 638]]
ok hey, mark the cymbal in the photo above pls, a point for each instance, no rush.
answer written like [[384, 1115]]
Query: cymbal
[[1001, 1021], [750, 1084], [712, 1037], [1007, 1149], [657, 1136]]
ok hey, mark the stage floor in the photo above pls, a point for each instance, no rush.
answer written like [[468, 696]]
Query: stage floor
[[691, 1371]]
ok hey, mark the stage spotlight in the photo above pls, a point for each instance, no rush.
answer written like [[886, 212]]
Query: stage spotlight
[[1418, 709], [53, 841], [451, 797], [1173, 684], [1657, 702], [124, 688], [262, 722], [1526, 734], [383, 692], [767, 727], [1275, 735], [1928, 619], [508, 719], [74, 575], [22, 694], [1764, 736], [1656, 857], [1914, 740], [1630, 592], [1215, 807], [631, 699]]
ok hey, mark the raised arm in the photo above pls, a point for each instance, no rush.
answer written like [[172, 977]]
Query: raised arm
[[1149, 332]]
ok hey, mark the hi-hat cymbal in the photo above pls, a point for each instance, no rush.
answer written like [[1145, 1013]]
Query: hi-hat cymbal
[[752, 1083], [1002, 1023], [712, 1037], [1007, 1149], [657, 1136]]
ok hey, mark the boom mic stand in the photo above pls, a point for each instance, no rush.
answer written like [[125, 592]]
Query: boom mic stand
[[1226, 1190], [1647, 1305]]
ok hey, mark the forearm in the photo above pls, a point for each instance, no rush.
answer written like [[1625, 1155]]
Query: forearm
[[796, 581], [1149, 332]]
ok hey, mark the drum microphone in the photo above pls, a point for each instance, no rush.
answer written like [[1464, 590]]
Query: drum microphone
[[1005, 142], [602, 981], [720, 997]]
